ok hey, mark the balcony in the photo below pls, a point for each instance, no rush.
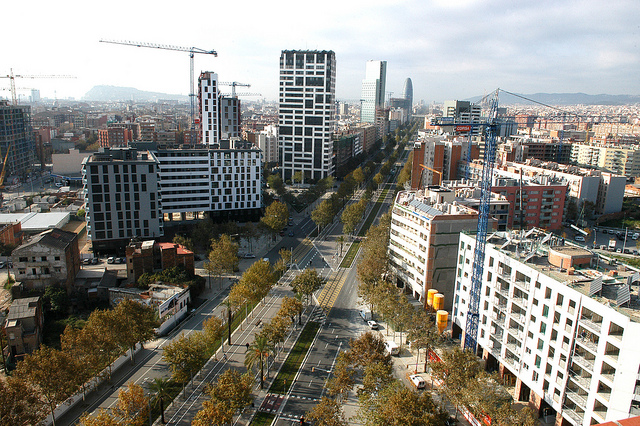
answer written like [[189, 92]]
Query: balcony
[[503, 291], [498, 319], [500, 305], [504, 275], [583, 382], [577, 398], [590, 324], [521, 301], [515, 349], [583, 362], [573, 415], [588, 344], [518, 317], [523, 285]]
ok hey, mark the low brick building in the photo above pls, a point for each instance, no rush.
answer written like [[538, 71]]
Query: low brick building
[[150, 257]]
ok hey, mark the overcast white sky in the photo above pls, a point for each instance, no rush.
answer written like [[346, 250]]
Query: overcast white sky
[[451, 49]]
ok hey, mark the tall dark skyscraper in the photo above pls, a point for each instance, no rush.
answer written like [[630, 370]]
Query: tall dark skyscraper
[[306, 113], [16, 134]]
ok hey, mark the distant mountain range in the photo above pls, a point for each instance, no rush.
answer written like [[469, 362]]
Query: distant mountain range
[[116, 93], [565, 99]]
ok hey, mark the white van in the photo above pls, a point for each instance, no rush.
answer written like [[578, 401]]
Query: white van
[[392, 347]]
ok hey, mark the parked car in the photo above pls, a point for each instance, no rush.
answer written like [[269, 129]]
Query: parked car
[[249, 256], [611, 231], [111, 259], [2, 265], [86, 261], [122, 260], [95, 261], [418, 381], [372, 324], [579, 238]]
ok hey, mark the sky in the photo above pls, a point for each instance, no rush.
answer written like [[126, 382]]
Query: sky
[[451, 49]]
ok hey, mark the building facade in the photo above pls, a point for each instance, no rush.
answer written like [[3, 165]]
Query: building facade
[[122, 190], [424, 241], [23, 327], [557, 321], [373, 90], [223, 183], [209, 102], [16, 137], [306, 115], [48, 259]]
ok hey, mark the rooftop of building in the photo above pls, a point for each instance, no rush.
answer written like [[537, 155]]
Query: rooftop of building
[[23, 308], [433, 201], [605, 279], [54, 238]]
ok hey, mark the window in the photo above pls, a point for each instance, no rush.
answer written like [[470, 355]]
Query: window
[[57, 257], [543, 328], [547, 294], [559, 300], [545, 311]]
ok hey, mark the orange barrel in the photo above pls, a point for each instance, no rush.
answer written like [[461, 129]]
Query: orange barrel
[[438, 301], [441, 320], [430, 293]]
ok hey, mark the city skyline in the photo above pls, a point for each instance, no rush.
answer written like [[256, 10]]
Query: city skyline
[[450, 50]]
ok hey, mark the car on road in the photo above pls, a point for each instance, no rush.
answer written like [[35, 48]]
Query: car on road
[[249, 256], [290, 222], [372, 324], [418, 381], [291, 233]]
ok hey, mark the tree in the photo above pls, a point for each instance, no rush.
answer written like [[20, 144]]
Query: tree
[[260, 349], [307, 282], [99, 330], [102, 418], [160, 387], [186, 355], [358, 176], [135, 323], [223, 256], [19, 404], [213, 413], [250, 232], [351, 216], [327, 412], [323, 214], [56, 301], [275, 217], [378, 178], [423, 334], [259, 278], [38, 370], [183, 241], [213, 329], [297, 177], [398, 405], [132, 405], [457, 369], [233, 388], [341, 241], [275, 182], [290, 308]]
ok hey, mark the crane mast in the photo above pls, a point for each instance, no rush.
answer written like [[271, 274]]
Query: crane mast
[[191, 50], [471, 327]]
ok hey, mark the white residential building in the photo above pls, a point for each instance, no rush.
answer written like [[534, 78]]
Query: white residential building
[[209, 102], [267, 141], [223, 183], [424, 240], [306, 115], [558, 321]]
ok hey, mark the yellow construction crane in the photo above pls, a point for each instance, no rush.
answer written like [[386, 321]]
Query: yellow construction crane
[[4, 166], [433, 170], [233, 85], [12, 77], [192, 51]]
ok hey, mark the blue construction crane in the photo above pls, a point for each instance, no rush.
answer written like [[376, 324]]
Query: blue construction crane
[[471, 327]]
